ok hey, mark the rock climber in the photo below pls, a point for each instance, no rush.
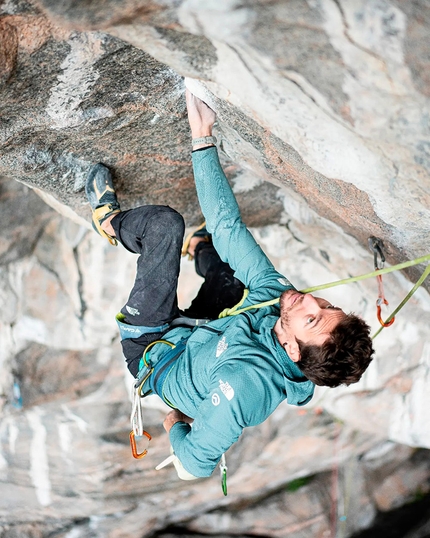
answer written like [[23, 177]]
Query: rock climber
[[232, 372]]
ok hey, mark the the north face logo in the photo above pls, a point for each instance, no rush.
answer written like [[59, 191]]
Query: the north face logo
[[132, 311], [221, 347], [226, 389]]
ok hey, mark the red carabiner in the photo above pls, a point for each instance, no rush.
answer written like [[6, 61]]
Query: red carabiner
[[134, 451], [382, 300], [378, 315], [376, 245]]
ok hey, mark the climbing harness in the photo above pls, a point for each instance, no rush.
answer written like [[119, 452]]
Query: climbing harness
[[376, 245]]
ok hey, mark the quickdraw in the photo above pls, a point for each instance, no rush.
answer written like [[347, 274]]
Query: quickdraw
[[136, 418], [137, 425], [376, 245], [420, 281]]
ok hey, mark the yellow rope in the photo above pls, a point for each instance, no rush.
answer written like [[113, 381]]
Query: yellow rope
[[236, 310]]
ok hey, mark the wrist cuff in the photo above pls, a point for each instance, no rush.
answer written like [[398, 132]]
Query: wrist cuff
[[204, 140]]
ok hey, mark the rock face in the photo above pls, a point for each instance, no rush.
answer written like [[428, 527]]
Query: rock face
[[323, 127]]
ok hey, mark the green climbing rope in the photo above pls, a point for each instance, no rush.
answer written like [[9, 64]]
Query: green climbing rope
[[236, 310]]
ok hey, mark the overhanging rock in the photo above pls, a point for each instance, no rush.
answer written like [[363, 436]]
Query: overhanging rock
[[328, 100], [323, 125]]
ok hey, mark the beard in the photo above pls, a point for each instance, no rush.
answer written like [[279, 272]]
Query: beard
[[285, 308], [283, 299]]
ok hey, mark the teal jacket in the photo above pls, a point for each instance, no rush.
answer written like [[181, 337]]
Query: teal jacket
[[233, 372]]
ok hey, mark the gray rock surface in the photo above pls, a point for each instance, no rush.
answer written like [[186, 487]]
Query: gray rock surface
[[323, 123]]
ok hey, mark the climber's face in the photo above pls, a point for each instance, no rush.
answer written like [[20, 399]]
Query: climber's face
[[306, 318]]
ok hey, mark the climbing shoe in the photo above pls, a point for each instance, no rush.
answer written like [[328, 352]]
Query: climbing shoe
[[200, 232], [101, 195]]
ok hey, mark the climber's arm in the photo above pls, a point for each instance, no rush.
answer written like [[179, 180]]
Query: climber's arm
[[173, 417], [236, 398], [232, 240]]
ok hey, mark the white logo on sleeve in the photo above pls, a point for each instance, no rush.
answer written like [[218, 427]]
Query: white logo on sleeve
[[226, 389], [283, 281], [221, 347], [215, 399]]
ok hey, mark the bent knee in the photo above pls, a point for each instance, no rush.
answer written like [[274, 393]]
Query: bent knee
[[168, 221], [173, 219]]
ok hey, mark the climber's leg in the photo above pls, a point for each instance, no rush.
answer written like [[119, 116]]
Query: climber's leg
[[156, 234], [220, 289]]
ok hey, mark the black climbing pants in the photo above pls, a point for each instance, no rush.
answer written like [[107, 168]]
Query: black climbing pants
[[156, 234]]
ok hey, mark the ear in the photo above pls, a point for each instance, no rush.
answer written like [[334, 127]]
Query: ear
[[293, 350]]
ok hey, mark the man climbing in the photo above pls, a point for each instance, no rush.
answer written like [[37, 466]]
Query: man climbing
[[231, 372]]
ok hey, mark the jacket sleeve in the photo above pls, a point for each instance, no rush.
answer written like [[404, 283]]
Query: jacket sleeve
[[232, 240], [200, 447], [235, 400]]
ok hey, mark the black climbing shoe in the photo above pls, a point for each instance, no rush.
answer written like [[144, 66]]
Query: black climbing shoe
[[101, 195], [200, 232]]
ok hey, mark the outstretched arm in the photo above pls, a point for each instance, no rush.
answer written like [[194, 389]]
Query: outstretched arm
[[233, 242], [201, 118]]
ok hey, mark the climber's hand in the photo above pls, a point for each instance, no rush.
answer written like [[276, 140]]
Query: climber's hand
[[173, 417], [200, 116]]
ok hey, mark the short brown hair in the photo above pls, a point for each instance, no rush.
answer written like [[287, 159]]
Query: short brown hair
[[344, 356]]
